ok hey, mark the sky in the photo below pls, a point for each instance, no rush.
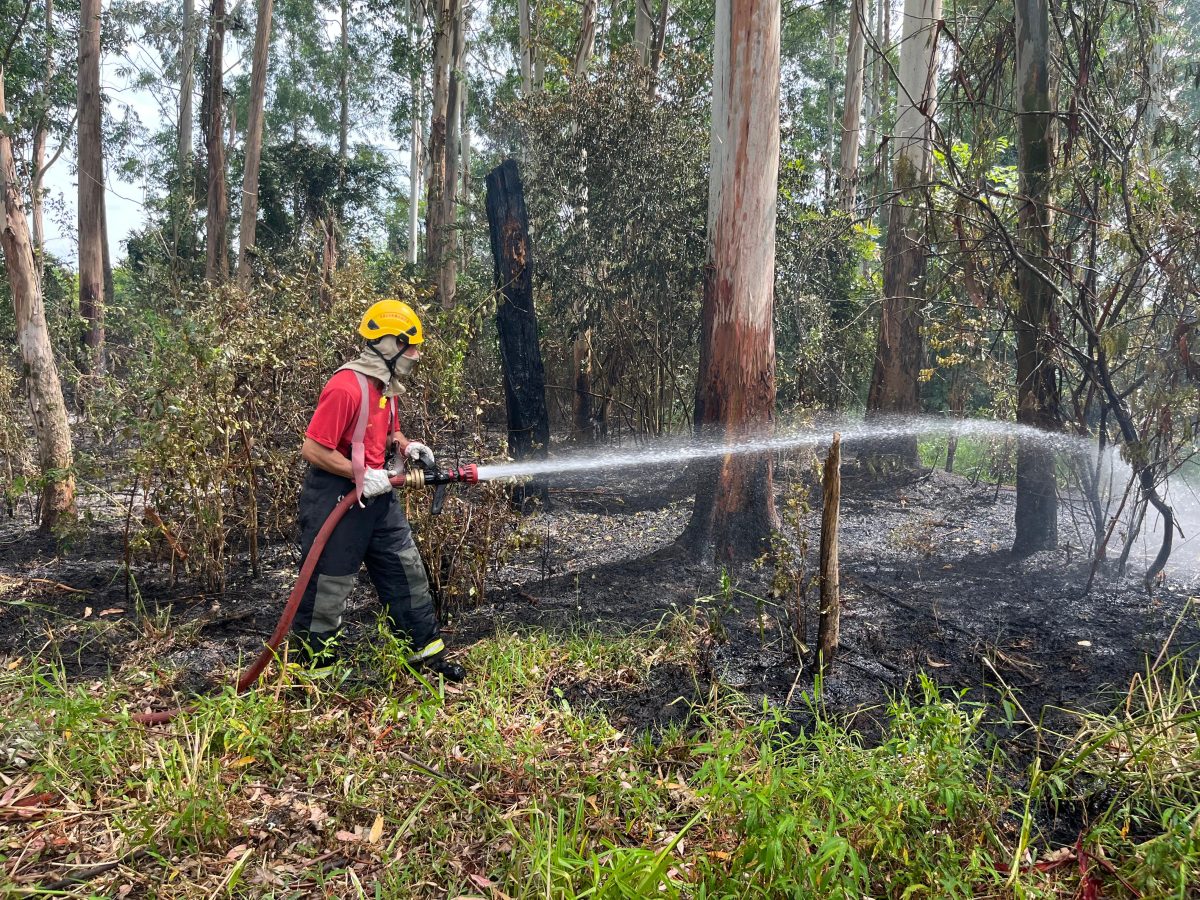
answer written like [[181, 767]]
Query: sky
[[124, 199]]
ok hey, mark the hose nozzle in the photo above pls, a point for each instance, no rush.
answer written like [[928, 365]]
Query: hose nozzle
[[415, 478]]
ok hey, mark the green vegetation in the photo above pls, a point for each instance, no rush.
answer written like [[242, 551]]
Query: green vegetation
[[514, 786]]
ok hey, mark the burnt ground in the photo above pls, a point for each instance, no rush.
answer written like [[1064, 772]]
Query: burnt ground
[[928, 585]]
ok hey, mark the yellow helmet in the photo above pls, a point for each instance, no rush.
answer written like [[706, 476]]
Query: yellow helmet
[[391, 317]]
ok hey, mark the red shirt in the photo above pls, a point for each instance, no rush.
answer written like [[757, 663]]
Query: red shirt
[[336, 415]]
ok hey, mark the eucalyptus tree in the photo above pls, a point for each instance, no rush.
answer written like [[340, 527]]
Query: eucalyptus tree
[[92, 228], [254, 133], [1037, 376], [216, 267], [40, 370], [734, 513], [852, 108], [894, 387]]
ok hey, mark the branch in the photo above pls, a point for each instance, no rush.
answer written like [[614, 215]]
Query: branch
[[16, 34], [61, 147]]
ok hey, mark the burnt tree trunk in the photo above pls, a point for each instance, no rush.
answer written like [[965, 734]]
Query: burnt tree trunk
[[734, 514], [1037, 384], [516, 321], [829, 628]]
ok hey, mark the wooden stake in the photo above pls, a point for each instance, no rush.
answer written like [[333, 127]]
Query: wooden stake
[[828, 630]]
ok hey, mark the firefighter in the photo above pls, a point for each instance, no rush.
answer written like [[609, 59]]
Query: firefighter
[[346, 444]]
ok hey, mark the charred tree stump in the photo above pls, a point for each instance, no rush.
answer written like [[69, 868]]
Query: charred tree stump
[[829, 627], [516, 321]]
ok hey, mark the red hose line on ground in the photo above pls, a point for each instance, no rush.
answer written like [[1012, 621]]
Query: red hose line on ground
[[250, 676]]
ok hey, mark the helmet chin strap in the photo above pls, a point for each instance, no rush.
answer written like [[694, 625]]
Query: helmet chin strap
[[391, 362]]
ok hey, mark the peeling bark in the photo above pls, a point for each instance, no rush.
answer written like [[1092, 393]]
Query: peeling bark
[[46, 406], [734, 514]]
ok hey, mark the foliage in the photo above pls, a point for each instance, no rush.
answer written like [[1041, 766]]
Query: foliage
[[514, 784], [824, 337], [1134, 773], [616, 191], [209, 401], [16, 458]]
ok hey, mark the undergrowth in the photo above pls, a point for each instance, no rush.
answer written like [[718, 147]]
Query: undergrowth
[[369, 781]]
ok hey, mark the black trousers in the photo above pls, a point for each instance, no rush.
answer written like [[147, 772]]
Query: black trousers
[[378, 535]]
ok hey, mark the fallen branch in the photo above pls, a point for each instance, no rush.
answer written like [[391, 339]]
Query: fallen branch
[[46, 581]]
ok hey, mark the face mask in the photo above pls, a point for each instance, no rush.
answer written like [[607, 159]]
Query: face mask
[[384, 361], [391, 351], [404, 365]]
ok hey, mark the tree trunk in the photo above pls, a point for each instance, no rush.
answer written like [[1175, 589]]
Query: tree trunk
[[831, 7], [91, 187], [882, 173], [41, 134], [1037, 383], [1154, 80], [660, 40], [894, 386], [415, 162], [581, 345], [216, 267], [643, 29], [187, 63], [871, 77], [106, 253], [852, 111], [329, 255], [526, 48], [734, 513], [435, 196], [587, 37], [465, 166], [516, 320], [464, 142], [448, 266], [46, 406], [254, 130], [829, 623], [344, 93], [37, 193]]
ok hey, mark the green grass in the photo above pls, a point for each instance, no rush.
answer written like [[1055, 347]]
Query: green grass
[[503, 787], [976, 458]]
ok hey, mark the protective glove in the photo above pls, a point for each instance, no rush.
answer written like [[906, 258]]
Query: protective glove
[[375, 482], [419, 453]]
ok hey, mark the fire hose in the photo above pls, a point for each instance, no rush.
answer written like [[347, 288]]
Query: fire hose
[[416, 478]]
